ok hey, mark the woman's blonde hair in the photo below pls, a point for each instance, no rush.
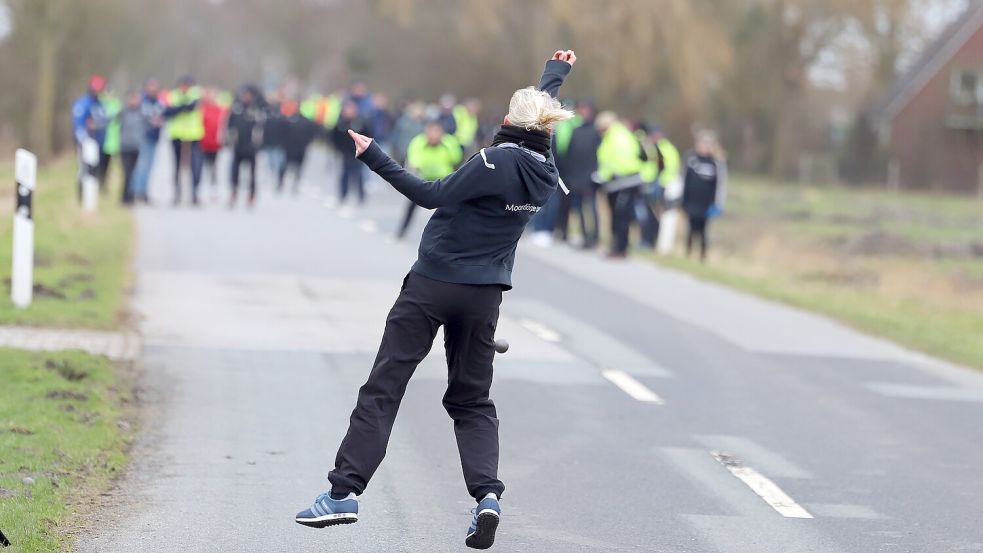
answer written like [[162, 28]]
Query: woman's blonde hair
[[536, 110]]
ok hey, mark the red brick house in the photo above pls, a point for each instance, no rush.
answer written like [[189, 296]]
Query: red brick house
[[931, 122]]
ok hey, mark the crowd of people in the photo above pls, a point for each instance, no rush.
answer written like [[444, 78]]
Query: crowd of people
[[638, 173], [629, 168]]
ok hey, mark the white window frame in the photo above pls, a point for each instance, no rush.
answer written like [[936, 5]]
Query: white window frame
[[961, 97]]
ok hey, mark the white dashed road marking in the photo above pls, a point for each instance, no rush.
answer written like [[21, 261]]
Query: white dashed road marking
[[541, 330], [632, 387], [765, 488]]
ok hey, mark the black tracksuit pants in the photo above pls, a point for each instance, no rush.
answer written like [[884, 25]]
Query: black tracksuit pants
[[469, 315], [238, 158], [622, 203], [129, 160]]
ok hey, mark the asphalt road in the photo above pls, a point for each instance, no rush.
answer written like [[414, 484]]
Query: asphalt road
[[640, 410]]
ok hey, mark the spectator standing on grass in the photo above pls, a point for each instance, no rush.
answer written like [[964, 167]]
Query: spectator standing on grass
[[89, 121], [650, 194], [110, 146], [132, 132], [704, 188], [619, 162], [153, 114]]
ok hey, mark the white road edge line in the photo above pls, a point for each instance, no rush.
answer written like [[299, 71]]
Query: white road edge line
[[632, 387], [541, 330], [761, 485]]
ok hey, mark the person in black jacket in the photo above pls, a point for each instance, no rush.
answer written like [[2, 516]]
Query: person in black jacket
[[299, 132], [352, 172], [579, 164], [465, 262], [245, 135], [275, 131], [704, 188]]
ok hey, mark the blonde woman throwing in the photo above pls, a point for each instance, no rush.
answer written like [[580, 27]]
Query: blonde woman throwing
[[465, 262]]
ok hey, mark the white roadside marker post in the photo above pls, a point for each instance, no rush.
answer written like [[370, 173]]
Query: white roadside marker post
[[22, 273], [670, 218], [90, 184]]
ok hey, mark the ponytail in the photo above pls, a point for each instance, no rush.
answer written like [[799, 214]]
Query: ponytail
[[534, 109]]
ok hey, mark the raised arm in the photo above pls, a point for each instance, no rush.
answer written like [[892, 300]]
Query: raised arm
[[468, 181], [557, 69]]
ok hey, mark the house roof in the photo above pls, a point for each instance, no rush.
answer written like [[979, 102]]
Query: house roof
[[932, 60]]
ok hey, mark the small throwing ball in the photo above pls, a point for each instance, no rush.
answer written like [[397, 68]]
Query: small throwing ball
[[501, 345]]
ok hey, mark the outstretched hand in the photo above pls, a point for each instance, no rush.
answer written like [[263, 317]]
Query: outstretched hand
[[566, 56], [361, 142]]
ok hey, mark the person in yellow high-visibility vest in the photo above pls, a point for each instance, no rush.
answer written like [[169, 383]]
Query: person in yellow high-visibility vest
[[309, 108], [619, 164], [466, 117], [186, 128], [330, 110], [432, 155]]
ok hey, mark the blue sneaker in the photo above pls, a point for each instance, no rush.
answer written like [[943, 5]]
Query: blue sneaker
[[487, 514], [329, 512]]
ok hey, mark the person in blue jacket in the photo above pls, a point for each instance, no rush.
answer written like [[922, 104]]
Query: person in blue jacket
[[89, 120], [465, 262]]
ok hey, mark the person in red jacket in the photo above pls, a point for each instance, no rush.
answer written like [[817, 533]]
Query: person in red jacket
[[213, 114]]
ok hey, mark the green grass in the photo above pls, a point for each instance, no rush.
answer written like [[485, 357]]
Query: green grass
[[80, 263], [60, 421], [904, 266]]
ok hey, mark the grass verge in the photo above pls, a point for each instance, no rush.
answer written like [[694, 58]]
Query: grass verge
[[63, 438], [63, 429], [904, 266], [80, 260]]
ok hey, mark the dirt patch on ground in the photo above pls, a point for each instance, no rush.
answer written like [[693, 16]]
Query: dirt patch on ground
[[67, 394], [105, 506], [74, 278], [40, 290], [66, 370]]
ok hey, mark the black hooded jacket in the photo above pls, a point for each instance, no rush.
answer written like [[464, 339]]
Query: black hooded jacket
[[245, 128], [482, 208]]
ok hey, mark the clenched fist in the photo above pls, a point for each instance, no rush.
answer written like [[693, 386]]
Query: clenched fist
[[565, 56]]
